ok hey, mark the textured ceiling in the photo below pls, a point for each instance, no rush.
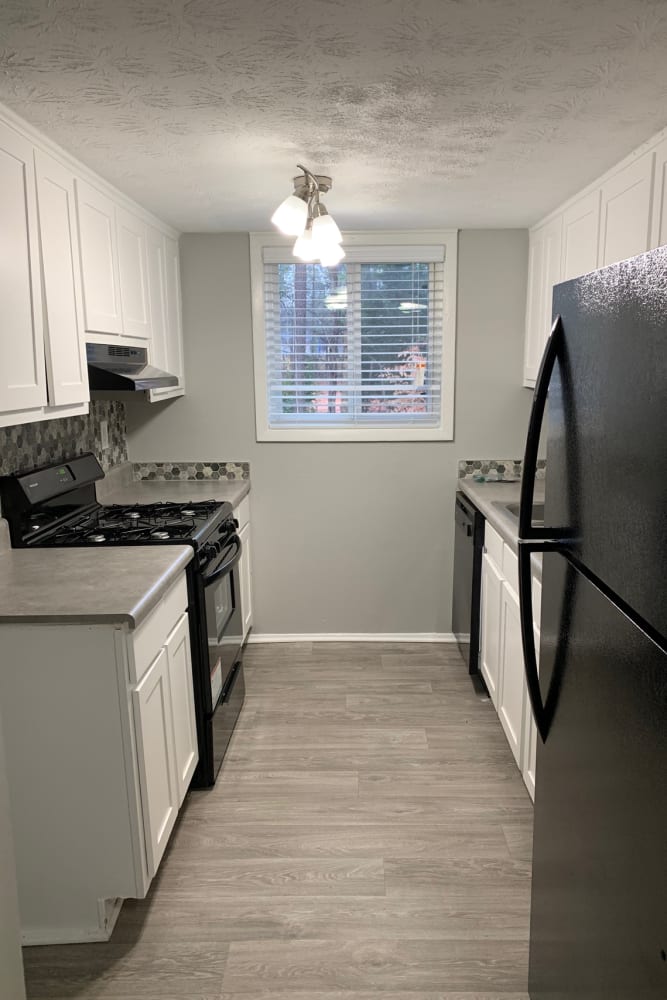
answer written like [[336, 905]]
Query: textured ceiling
[[426, 112]]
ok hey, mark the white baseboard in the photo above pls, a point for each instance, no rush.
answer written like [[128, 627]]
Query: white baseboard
[[257, 637]]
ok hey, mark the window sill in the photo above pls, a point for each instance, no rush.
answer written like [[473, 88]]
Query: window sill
[[353, 434]]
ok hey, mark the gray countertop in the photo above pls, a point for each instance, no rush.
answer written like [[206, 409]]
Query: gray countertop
[[489, 499], [103, 586], [151, 491]]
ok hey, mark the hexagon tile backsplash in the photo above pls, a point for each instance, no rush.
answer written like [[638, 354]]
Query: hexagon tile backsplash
[[27, 446]]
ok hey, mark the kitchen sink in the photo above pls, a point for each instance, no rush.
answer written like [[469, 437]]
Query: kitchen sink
[[513, 510]]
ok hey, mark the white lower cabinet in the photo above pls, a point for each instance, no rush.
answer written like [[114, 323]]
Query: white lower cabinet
[[530, 738], [182, 706], [501, 648], [492, 583], [97, 777], [156, 758], [242, 514], [512, 686]]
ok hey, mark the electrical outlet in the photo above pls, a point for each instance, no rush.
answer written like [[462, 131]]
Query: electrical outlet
[[104, 434]]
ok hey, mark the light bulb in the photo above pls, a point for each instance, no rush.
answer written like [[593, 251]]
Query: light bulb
[[330, 255], [291, 216], [305, 247], [325, 230]]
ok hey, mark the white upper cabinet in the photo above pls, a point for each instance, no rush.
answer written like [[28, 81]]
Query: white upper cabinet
[[133, 270], [165, 302], [543, 274], [22, 373], [99, 261], [174, 312], [77, 264], [621, 215], [61, 277], [625, 223], [659, 224], [581, 228]]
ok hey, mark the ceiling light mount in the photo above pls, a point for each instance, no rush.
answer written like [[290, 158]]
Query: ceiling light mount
[[303, 215]]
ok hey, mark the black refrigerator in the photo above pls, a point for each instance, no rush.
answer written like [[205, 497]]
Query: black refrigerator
[[599, 695]]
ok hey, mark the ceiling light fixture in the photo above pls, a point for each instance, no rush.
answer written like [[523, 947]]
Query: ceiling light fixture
[[303, 215]]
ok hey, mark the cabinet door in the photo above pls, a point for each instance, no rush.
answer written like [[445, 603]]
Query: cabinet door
[[625, 225], [61, 277], [182, 705], [22, 374], [543, 274], [659, 225], [581, 229], [133, 271], [529, 739], [157, 777], [245, 580], [157, 295], [492, 582], [512, 688], [170, 351], [99, 261]]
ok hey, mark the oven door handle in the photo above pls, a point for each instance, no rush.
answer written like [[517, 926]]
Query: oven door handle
[[227, 565], [229, 683]]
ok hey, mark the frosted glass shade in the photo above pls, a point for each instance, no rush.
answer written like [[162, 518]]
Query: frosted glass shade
[[306, 248], [331, 255], [326, 231], [291, 216]]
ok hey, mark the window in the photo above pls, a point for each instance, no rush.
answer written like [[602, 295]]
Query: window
[[360, 351]]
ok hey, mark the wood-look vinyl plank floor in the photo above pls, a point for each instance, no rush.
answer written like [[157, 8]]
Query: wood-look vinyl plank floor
[[368, 838]]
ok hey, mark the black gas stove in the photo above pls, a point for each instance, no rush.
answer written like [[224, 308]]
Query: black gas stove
[[121, 524], [56, 506]]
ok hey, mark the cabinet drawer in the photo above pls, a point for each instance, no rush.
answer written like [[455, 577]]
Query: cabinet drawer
[[242, 512], [152, 634], [493, 544], [511, 568]]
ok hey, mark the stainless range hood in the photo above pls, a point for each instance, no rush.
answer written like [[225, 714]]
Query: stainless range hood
[[117, 368]]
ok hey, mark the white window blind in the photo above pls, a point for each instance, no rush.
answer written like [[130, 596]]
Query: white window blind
[[357, 345]]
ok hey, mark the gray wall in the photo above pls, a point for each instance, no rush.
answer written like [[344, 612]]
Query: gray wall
[[347, 537]]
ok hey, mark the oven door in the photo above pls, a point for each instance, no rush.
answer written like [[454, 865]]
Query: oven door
[[223, 622]]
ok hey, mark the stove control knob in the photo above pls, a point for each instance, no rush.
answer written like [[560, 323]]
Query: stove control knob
[[209, 552]]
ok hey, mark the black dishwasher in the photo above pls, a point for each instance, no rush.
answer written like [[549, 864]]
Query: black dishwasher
[[469, 543]]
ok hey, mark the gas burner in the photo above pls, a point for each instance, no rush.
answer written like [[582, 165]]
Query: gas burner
[[134, 514], [97, 538], [188, 512], [160, 534]]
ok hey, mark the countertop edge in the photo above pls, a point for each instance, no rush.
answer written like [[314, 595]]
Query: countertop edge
[[152, 597], [132, 617], [504, 524]]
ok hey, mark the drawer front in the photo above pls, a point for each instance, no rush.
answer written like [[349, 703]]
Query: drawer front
[[242, 512], [151, 635], [511, 568], [493, 544]]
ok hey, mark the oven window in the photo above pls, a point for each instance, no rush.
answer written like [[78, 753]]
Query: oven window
[[219, 608]]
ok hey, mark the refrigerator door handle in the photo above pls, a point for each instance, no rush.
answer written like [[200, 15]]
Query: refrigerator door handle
[[533, 539], [551, 352]]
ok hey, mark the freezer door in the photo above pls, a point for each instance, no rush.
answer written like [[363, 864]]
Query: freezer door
[[607, 414], [599, 919]]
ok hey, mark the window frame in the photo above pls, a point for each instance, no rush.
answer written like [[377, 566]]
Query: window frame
[[389, 431]]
